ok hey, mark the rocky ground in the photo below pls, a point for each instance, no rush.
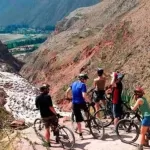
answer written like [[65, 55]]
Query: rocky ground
[[110, 141]]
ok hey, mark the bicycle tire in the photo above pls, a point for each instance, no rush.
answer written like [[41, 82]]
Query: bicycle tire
[[123, 123], [96, 124], [64, 138], [40, 127], [103, 114], [93, 110]]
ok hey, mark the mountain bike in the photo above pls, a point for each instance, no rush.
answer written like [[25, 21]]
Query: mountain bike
[[63, 134], [128, 130], [105, 114], [94, 124]]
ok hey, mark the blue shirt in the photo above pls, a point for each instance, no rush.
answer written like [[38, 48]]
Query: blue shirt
[[77, 88]]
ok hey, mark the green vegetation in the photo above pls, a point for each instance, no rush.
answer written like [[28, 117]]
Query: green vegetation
[[127, 96], [25, 51], [25, 41]]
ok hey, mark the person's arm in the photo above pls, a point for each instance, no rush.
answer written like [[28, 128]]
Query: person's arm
[[106, 76], [85, 96], [94, 83], [51, 105], [67, 92], [137, 104], [36, 103], [84, 93], [53, 110]]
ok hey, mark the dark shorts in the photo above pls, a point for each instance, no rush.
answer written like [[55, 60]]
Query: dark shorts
[[146, 121], [49, 121], [98, 95], [117, 110], [77, 111]]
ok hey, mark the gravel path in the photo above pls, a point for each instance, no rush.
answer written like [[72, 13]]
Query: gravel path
[[111, 142]]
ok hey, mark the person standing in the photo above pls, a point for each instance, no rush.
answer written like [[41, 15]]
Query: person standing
[[79, 93], [44, 104], [144, 107], [117, 88], [99, 89]]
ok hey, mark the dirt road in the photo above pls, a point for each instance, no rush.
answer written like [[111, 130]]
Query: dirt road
[[110, 142]]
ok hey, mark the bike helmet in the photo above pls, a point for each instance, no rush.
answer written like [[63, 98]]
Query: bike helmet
[[83, 76], [44, 86], [139, 91], [120, 76], [100, 71]]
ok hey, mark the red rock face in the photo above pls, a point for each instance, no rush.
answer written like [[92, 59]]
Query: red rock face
[[114, 43]]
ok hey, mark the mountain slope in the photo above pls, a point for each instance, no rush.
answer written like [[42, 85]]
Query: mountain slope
[[7, 61], [37, 13], [109, 35]]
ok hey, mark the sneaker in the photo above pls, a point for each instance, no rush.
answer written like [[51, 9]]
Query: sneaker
[[57, 139], [75, 130], [146, 144], [140, 147], [113, 130], [81, 136], [46, 144], [86, 125]]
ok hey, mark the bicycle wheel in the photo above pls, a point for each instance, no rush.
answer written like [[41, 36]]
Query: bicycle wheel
[[66, 137], [127, 131], [73, 119], [104, 116], [39, 128], [96, 128]]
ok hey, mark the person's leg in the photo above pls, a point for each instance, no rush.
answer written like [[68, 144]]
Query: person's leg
[[96, 100], [115, 114], [97, 106], [79, 118], [102, 98], [144, 128], [103, 103], [79, 127], [47, 135], [142, 135]]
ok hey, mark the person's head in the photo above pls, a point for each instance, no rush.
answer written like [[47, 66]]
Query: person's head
[[100, 72], [45, 88], [138, 92], [83, 77]]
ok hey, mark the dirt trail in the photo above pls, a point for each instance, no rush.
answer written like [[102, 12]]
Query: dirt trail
[[110, 142]]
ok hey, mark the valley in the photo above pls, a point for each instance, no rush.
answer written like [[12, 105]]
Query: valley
[[22, 44]]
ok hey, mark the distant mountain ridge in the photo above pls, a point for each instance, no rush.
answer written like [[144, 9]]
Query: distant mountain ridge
[[38, 13]]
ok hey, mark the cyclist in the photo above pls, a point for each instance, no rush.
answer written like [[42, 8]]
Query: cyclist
[[47, 111], [99, 86], [144, 107], [79, 93], [117, 88]]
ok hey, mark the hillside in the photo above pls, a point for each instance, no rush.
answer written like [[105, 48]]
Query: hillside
[[7, 61], [109, 35], [37, 13]]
